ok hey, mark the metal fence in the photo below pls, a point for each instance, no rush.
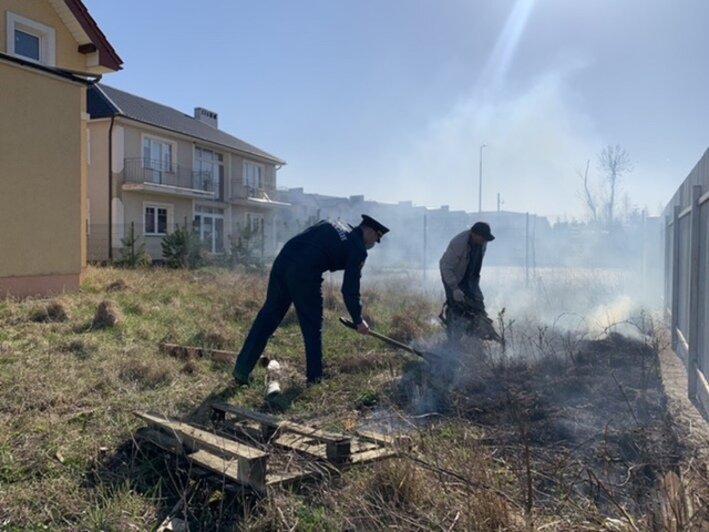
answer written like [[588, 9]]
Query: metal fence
[[686, 239]]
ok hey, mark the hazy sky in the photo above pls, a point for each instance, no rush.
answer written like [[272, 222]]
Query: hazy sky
[[393, 98]]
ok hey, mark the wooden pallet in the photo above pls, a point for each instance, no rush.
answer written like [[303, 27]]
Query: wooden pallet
[[238, 448]]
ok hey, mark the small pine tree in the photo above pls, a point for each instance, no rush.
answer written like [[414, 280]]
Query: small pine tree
[[182, 249], [133, 254], [244, 249]]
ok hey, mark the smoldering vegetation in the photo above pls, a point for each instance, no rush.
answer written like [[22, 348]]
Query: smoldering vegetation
[[572, 401]]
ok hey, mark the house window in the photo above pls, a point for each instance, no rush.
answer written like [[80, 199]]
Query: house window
[[157, 159], [30, 40], [208, 171], [253, 175], [254, 222], [157, 219], [209, 226]]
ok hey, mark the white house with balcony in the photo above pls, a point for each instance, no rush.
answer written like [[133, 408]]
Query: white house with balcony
[[152, 167]]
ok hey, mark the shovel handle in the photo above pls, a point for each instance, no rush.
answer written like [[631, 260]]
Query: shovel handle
[[386, 339]]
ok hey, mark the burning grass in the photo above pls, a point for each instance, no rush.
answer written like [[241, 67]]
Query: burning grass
[[563, 428]]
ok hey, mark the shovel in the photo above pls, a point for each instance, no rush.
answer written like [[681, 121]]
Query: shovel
[[394, 343]]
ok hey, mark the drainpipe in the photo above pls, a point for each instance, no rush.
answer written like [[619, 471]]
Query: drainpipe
[[110, 189]]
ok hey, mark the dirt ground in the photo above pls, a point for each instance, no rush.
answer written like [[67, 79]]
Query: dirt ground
[[685, 414]]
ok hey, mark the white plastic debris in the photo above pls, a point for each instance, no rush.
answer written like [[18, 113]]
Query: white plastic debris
[[273, 370]]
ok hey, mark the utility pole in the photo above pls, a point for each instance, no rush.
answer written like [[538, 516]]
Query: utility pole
[[480, 180]]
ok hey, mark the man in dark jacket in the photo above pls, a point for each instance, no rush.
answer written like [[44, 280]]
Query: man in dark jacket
[[296, 277]]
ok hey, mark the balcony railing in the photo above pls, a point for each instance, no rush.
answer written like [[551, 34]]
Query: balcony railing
[[141, 170], [241, 191]]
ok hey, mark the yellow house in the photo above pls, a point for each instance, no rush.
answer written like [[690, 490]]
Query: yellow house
[[50, 51]]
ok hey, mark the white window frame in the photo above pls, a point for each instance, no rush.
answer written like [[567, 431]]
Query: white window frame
[[170, 219], [162, 140], [215, 214], [215, 162], [45, 34], [262, 176]]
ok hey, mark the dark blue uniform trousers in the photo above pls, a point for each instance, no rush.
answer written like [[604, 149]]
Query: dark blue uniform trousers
[[289, 282]]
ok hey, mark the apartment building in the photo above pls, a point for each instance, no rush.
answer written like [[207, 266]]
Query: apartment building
[[153, 168]]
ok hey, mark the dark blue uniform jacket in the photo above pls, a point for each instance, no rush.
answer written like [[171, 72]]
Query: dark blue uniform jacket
[[331, 245]]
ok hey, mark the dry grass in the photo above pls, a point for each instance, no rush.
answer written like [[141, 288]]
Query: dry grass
[[108, 314], [54, 311], [67, 392]]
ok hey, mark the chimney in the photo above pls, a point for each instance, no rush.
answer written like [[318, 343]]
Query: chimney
[[208, 117]]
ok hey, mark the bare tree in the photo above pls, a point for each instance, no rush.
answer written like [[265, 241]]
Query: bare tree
[[614, 161], [589, 198]]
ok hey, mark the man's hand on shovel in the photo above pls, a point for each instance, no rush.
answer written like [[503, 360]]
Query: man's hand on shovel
[[390, 341]]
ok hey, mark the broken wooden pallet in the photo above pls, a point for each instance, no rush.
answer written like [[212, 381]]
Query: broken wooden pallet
[[337, 446], [337, 449], [245, 461], [237, 461]]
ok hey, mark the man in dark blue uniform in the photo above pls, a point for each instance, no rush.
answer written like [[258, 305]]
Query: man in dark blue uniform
[[296, 277]]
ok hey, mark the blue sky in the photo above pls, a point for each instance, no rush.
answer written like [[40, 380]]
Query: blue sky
[[393, 98]]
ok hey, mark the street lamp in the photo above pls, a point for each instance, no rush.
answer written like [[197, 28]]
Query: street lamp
[[480, 180]]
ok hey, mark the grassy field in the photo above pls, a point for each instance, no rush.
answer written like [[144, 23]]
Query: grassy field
[[496, 447]]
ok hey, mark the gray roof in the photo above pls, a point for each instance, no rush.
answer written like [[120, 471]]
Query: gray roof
[[106, 101]]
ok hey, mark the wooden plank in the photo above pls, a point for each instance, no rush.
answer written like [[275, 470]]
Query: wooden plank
[[302, 444], [250, 463], [275, 479], [374, 455], [338, 446], [231, 469], [189, 351], [297, 442], [202, 437], [391, 440], [276, 423], [359, 446], [164, 441]]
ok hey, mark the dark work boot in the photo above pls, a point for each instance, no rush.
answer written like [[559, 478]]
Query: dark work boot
[[240, 379]]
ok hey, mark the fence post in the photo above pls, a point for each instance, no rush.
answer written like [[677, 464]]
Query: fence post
[[675, 274], [526, 250], [425, 238], [132, 242], [694, 246]]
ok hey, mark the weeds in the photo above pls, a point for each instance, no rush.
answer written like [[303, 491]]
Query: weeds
[[67, 392]]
